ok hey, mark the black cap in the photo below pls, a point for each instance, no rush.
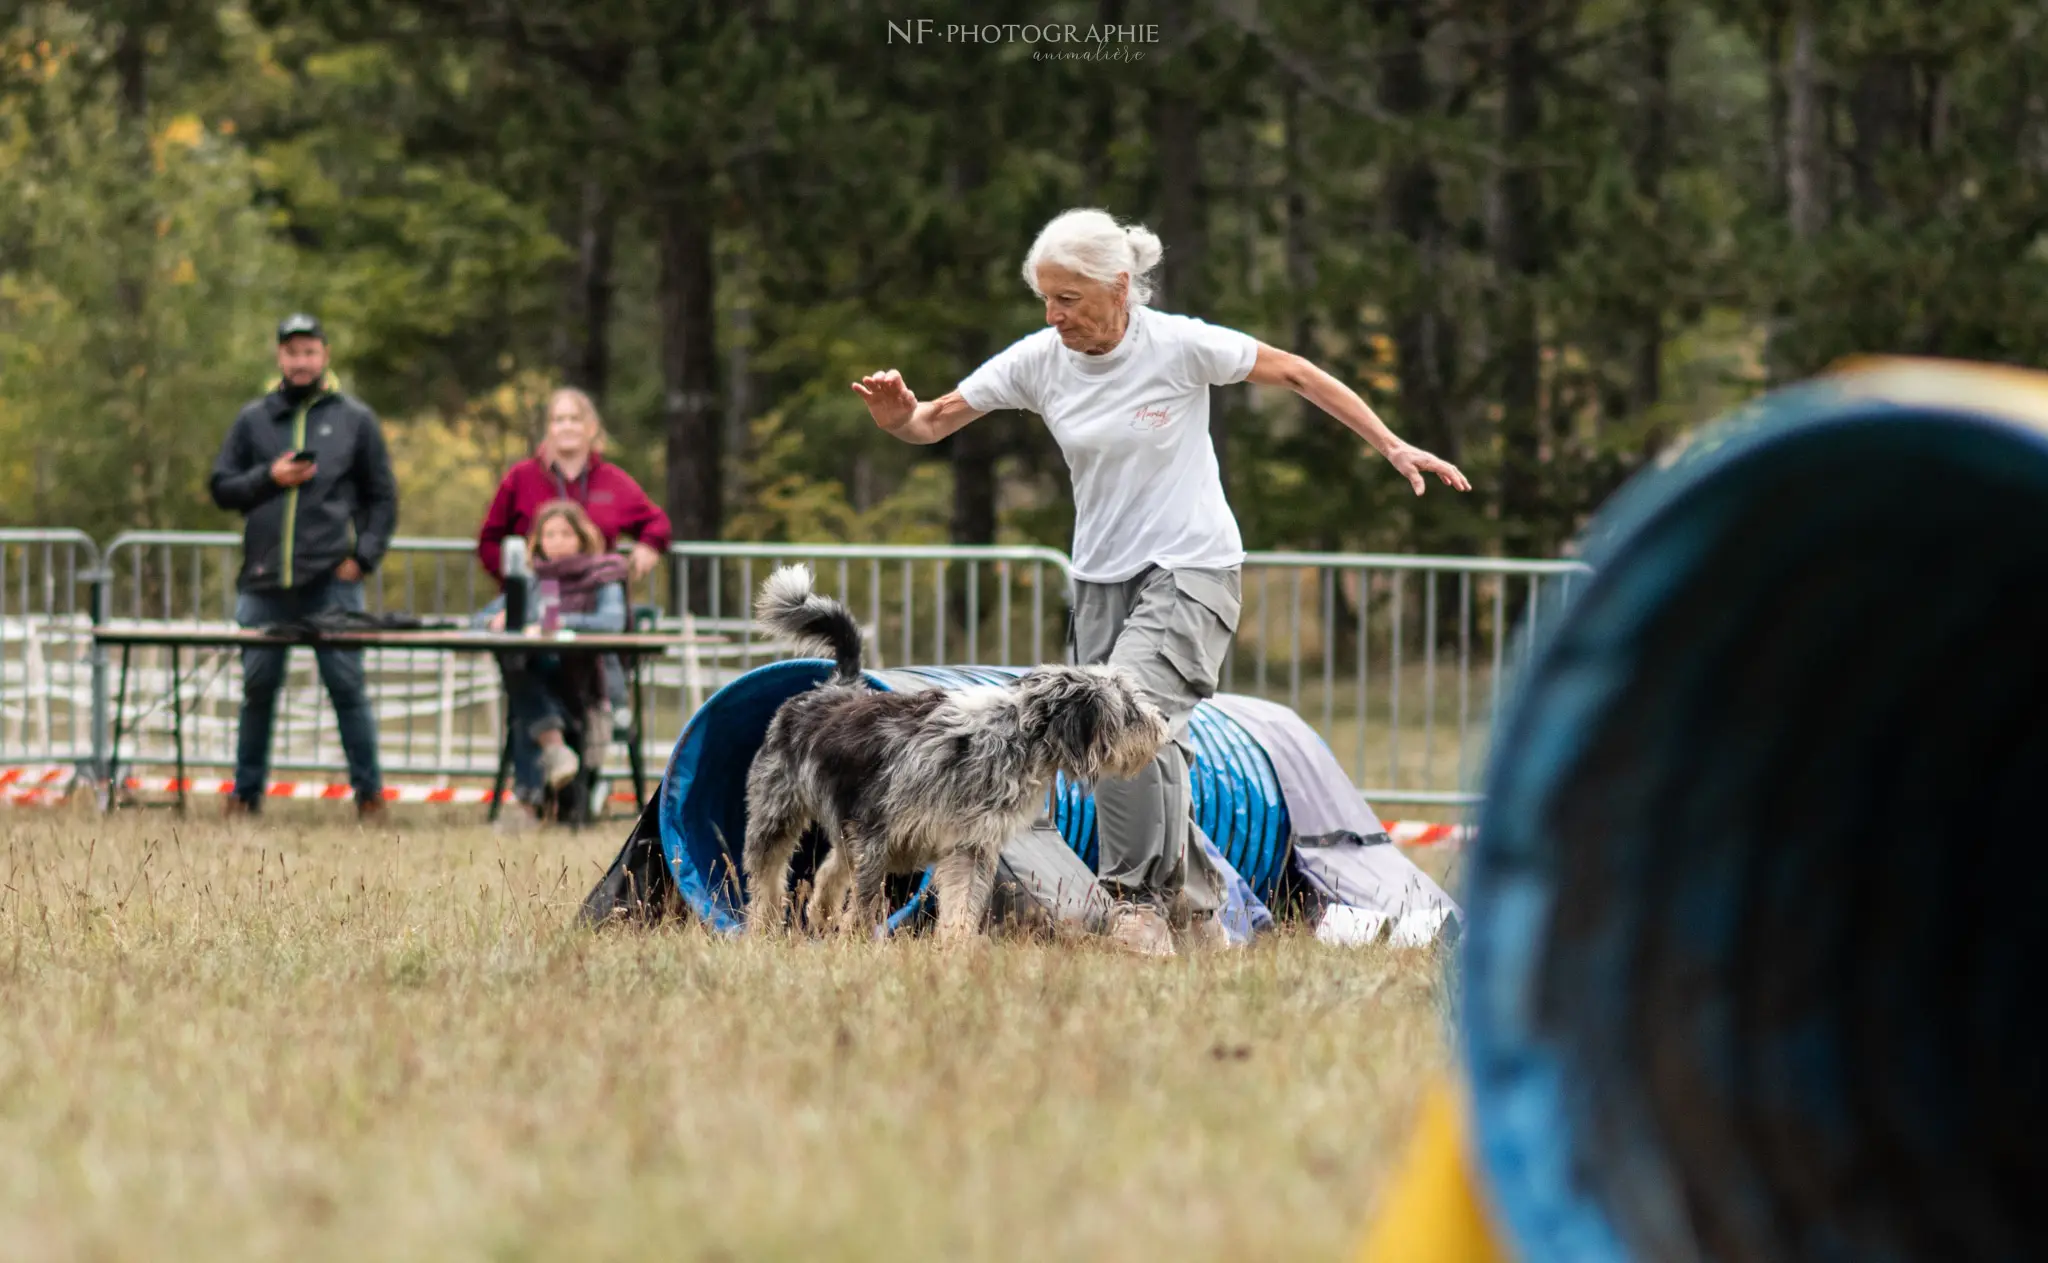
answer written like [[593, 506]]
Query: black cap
[[298, 325]]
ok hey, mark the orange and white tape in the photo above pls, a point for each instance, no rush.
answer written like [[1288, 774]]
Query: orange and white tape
[[35, 786], [1422, 833], [32, 777], [322, 792], [44, 786]]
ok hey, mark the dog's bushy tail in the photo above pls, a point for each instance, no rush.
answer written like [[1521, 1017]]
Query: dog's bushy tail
[[789, 608]]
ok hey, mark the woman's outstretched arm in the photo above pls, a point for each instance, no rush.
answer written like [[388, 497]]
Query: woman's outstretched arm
[[898, 412], [1275, 367]]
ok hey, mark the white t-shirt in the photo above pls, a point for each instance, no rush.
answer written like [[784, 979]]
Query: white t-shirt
[[1134, 426]]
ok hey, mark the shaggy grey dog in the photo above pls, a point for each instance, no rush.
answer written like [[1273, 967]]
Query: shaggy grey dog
[[903, 781]]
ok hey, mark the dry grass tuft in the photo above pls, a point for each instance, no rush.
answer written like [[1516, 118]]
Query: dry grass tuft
[[301, 1040]]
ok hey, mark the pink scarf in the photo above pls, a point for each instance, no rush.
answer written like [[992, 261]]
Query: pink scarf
[[580, 576]]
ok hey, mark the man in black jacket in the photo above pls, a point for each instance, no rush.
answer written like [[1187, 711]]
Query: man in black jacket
[[306, 466]]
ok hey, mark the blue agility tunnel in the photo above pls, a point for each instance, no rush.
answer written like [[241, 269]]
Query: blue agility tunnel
[[1277, 814], [1755, 911], [702, 805]]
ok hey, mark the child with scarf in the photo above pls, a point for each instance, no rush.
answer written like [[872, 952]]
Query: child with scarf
[[545, 689]]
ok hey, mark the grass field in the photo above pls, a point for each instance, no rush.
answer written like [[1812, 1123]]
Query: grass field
[[309, 1041]]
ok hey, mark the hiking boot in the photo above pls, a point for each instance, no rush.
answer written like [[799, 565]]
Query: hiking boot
[[370, 810], [1139, 929], [559, 764]]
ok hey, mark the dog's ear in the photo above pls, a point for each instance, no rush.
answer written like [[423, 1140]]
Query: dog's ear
[[1077, 730], [1063, 710]]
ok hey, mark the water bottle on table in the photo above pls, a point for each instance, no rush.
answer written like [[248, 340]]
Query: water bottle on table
[[518, 582]]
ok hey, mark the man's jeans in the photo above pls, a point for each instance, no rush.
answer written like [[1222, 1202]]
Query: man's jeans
[[341, 670]]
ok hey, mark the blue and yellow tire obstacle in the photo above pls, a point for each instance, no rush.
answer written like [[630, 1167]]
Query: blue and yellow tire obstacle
[[1755, 914]]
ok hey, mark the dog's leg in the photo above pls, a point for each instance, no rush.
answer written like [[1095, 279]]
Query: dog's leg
[[828, 891], [980, 887], [775, 823], [963, 881], [870, 869], [953, 883]]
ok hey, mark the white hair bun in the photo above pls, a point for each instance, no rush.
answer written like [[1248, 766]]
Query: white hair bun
[[1145, 247]]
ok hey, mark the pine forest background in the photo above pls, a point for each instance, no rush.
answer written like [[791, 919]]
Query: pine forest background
[[1543, 237]]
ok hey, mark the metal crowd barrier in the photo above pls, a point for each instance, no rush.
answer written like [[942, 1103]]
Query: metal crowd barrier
[[189, 576], [1399, 661], [438, 715], [1000, 606], [48, 701]]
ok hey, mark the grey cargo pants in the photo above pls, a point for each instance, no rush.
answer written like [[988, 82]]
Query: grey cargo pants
[[1172, 629]]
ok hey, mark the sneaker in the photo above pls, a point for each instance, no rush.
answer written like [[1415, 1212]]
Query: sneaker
[[1140, 930], [559, 764], [239, 808], [370, 810]]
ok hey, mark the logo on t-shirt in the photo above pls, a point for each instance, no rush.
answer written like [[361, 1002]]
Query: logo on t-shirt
[[1151, 417]]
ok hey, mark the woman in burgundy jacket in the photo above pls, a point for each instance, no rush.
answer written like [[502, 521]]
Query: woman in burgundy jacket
[[570, 465]]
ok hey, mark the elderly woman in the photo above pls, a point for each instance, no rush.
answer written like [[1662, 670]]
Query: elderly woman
[[1125, 391], [570, 465]]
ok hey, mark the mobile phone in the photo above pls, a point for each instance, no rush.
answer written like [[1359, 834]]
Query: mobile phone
[[303, 457]]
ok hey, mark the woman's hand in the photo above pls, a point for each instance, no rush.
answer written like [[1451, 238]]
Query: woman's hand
[[899, 413], [497, 622], [643, 561], [1412, 463], [888, 398]]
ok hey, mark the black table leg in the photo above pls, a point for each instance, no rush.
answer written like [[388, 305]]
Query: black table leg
[[504, 765], [178, 721], [635, 732], [114, 746]]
